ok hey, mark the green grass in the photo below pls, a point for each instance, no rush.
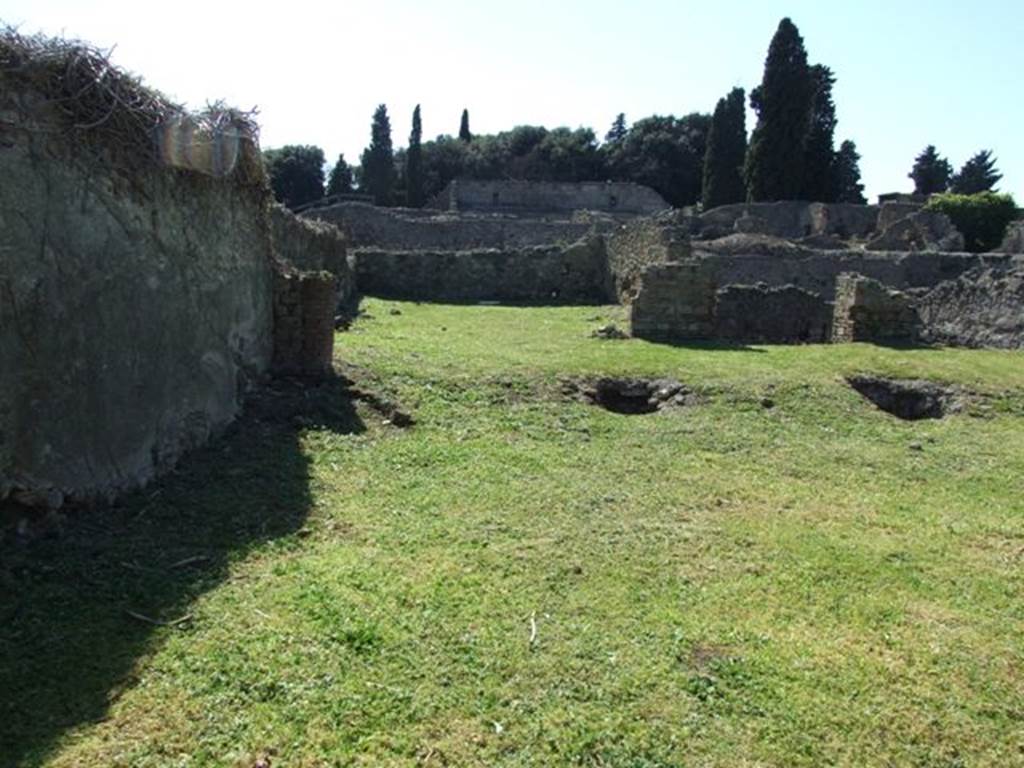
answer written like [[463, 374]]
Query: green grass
[[718, 585]]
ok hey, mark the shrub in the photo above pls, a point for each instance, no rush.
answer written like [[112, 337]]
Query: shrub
[[981, 218]]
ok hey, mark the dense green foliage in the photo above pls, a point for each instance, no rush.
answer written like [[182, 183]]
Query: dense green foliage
[[414, 196], [981, 218], [524, 580], [820, 183], [846, 172], [664, 153], [464, 132], [339, 181], [726, 151], [979, 174], [378, 162], [296, 173], [783, 103], [931, 172]]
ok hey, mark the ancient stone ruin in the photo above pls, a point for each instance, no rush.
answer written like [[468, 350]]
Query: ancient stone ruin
[[146, 281], [786, 272]]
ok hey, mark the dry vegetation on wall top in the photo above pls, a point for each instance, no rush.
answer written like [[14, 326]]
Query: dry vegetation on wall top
[[132, 124]]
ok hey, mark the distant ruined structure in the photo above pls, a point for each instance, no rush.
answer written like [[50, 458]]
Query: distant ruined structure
[[547, 198], [785, 272]]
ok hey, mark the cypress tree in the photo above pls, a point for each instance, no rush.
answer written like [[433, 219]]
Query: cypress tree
[[618, 130], [847, 175], [775, 163], [340, 180], [979, 174], [727, 147], [464, 133], [820, 183], [378, 178], [931, 172], [414, 163]]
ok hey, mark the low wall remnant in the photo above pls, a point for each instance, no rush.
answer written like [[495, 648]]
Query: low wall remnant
[[866, 310], [304, 306], [674, 302], [575, 274]]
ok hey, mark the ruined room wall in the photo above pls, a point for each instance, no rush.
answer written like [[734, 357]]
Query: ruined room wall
[[984, 308], [304, 307], [314, 246], [135, 304], [866, 310], [577, 274], [761, 314], [549, 196], [748, 263], [639, 244], [674, 302], [791, 219], [367, 226]]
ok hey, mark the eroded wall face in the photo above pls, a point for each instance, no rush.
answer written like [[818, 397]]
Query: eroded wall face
[[406, 230], [549, 197], [576, 274], [135, 310]]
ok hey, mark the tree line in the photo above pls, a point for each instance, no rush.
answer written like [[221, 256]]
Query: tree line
[[696, 158]]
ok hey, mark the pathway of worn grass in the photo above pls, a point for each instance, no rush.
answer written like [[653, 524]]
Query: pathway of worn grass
[[522, 579]]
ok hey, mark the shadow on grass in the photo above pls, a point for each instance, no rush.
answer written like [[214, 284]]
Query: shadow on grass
[[68, 636], [705, 346]]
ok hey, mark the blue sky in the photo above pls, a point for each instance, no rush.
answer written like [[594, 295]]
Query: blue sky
[[909, 73]]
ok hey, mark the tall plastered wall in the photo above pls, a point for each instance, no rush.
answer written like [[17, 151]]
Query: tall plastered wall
[[135, 306]]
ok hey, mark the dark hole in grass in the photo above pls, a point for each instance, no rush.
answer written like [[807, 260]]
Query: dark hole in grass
[[633, 397], [909, 400]]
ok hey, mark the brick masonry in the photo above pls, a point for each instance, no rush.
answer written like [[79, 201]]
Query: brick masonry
[[304, 304]]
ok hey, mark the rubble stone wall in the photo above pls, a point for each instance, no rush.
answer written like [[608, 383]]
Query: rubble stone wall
[[403, 229], [760, 314], [548, 197], [674, 302], [639, 244], [135, 306], [304, 307], [574, 274], [984, 308], [314, 246], [866, 310], [817, 271]]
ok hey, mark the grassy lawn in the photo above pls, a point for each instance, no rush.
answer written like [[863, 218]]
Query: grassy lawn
[[522, 579]]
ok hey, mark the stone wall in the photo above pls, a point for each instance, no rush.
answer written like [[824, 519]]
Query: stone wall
[[135, 299], [639, 244], [791, 220], [984, 308], [402, 229], [304, 307], [574, 274], [866, 310], [743, 260], [548, 197], [759, 314], [314, 246], [1013, 240], [674, 302]]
